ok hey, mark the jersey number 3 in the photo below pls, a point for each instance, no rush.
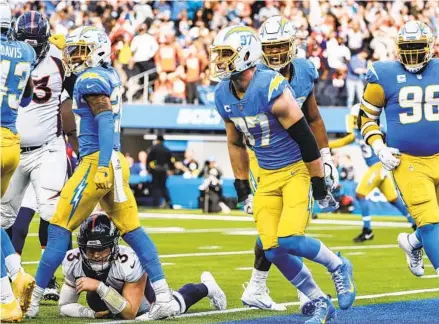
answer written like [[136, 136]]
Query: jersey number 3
[[420, 102]]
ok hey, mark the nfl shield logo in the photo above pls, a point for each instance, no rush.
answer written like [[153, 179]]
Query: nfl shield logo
[[401, 78]]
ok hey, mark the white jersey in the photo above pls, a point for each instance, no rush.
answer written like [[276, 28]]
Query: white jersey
[[126, 268], [40, 121]]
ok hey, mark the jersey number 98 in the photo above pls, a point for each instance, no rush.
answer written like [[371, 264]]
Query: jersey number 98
[[420, 102]]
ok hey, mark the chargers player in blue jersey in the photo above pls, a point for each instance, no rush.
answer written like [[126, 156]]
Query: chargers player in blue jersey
[[16, 89], [278, 37], [375, 177], [259, 105], [407, 90], [102, 174]]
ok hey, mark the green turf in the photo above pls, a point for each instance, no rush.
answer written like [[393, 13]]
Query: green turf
[[376, 271]]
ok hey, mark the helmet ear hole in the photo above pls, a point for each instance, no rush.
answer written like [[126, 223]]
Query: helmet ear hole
[[246, 56]]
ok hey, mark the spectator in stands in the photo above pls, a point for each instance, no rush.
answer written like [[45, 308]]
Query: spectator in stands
[[160, 163], [268, 11], [139, 168], [169, 54], [144, 48], [196, 61], [206, 89], [177, 80], [357, 69], [356, 36], [162, 89]]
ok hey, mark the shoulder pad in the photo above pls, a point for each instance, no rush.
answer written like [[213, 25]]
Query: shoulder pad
[[308, 68], [131, 269], [276, 86], [93, 82], [372, 74]]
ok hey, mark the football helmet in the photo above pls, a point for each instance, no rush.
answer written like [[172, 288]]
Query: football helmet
[[86, 47], [96, 234], [234, 50], [5, 16], [278, 38], [414, 45], [32, 28]]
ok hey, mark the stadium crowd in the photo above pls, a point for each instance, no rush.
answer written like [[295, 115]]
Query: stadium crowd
[[171, 38]]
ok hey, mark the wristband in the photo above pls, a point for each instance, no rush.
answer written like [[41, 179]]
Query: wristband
[[319, 189], [242, 188]]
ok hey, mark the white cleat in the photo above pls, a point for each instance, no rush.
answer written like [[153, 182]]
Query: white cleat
[[215, 293], [33, 310], [306, 306], [413, 256], [259, 297], [164, 306]]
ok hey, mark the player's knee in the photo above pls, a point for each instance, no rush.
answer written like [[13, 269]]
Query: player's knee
[[275, 255], [9, 215], [47, 210], [294, 244], [95, 302]]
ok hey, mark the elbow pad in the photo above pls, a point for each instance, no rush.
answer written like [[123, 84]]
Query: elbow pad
[[25, 101], [302, 135]]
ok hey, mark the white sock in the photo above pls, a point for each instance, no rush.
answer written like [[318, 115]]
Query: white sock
[[13, 264], [413, 241], [259, 277], [327, 258], [37, 295], [160, 286], [306, 284], [6, 294], [42, 251], [437, 271]]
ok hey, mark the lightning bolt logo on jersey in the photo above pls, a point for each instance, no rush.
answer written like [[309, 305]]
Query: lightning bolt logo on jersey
[[96, 81], [273, 147]]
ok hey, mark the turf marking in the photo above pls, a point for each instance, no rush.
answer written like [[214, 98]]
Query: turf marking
[[238, 310], [244, 269], [430, 277], [355, 253]]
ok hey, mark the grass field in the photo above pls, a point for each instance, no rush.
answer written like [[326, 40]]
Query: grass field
[[190, 243]]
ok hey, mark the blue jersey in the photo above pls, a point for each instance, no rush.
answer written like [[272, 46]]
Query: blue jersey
[[17, 61], [369, 156], [273, 146], [304, 74], [411, 106], [95, 81]]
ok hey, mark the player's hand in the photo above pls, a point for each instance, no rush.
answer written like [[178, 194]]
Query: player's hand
[[86, 284], [387, 155], [102, 178], [332, 177], [59, 40], [248, 205], [328, 204], [102, 314]]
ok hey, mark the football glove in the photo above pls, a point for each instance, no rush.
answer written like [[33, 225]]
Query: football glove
[[323, 197], [387, 155], [59, 40], [332, 177], [102, 178], [245, 196]]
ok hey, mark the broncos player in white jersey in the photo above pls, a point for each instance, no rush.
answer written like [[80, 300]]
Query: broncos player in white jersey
[[114, 280], [278, 37], [43, 162]]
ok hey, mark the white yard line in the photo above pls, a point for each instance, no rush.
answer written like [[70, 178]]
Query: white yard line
[[207, 254], [250, 219], [238, 310]]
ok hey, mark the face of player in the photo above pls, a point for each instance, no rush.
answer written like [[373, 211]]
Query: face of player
[[222, 58], [277, 54], [413, 53], [98, 259], [75, 55]]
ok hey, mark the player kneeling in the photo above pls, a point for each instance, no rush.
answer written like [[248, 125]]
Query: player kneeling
[[114, 280]]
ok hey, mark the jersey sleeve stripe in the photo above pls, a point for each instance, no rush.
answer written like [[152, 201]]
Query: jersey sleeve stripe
[[370, 107], [60, 66], [366, 125], [371, 133]]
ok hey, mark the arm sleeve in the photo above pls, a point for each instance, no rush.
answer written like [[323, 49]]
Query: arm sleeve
[[371, 106]]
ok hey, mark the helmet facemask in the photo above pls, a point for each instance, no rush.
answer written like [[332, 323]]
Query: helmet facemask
[[222, 60], [277, 54], [78, 56], [98, 257], [414, 55]]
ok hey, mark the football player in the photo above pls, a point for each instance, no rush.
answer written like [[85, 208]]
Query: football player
[[43, 162], [278, 37], [259, 105], [113, 279], [375, 177], [407, 90], [16, 89], [102, 174]]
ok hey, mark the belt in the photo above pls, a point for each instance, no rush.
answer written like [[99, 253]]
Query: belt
[[30, 148]]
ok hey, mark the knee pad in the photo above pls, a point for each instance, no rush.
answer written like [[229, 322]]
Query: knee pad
[[8, 215]]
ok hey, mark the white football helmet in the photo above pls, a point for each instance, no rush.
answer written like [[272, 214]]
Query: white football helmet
[[86, 47], [234, 49], [278, 37], [414, 45], [5, 15]]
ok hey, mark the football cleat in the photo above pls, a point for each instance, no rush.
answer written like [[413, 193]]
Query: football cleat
[[344, 283], [413, 256], [34, 308], [52, 290], [215, 293], [306, 305], [324, 311], [164, 306], [11, 312], [365, 235], [258, 296], [22, 286]]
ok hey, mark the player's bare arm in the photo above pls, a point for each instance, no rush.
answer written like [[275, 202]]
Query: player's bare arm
[[133, 293], [69, 124], [237, 151], [98, 103], [315, 121], [292, 119]]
